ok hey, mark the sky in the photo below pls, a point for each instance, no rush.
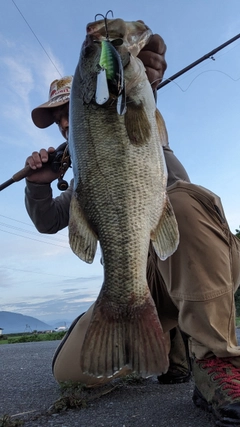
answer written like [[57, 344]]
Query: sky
[[39, 42]]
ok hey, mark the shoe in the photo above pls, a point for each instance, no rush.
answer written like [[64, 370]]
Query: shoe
[[176, 374], [217, 389], [179, 361]]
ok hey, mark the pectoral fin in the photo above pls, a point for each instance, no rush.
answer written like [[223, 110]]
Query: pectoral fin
[[165, 238], [161, 128], [137, 124], [82, 239]]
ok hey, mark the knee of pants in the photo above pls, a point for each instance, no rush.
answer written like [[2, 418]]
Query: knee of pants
[[206, 263]]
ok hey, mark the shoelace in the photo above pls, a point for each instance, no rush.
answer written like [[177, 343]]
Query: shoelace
[[225, 373]]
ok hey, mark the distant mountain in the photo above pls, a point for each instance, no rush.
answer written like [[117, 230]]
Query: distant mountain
[[15, 322]]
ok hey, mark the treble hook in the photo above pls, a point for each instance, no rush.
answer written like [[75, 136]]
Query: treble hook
[[105, 20]]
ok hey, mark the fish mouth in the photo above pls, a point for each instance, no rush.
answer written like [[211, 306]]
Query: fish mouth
[[89, 44], [92, 39], [92, 43], [110, 44], [133, 34], [107, 29]]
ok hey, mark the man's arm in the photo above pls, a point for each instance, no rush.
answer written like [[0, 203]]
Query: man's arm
[[48, 214], [175, 169]]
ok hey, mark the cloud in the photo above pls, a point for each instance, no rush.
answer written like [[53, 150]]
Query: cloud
[[20, 77], [25, 77], [5, 279], [83, 279], [23, 62], [53, 307], [6, 43]]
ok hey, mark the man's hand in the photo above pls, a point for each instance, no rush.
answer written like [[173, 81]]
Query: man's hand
[[44, 175], [153, 57]]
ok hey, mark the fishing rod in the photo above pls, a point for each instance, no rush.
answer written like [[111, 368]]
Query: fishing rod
[[203, 58], [60, 160]]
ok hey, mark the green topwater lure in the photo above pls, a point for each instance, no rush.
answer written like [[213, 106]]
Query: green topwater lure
[[110, 82]]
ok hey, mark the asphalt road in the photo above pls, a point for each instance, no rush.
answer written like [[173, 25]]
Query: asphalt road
[[28, 389]]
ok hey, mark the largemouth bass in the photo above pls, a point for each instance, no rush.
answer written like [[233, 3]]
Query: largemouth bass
[[120, 199]]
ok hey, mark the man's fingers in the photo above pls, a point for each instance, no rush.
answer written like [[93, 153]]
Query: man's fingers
[[156, 44], [36, 160], [43, 154]]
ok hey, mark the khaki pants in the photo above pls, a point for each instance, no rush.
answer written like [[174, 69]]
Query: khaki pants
[[202, 276], [193, 288]]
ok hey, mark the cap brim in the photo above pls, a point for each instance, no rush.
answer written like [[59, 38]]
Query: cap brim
[[42, 116]]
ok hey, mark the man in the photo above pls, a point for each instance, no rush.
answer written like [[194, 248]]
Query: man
[[194, 288]]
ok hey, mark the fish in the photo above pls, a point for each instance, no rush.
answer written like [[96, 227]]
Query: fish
[[120, 200]]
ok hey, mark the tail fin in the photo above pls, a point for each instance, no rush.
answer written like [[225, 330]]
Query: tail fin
[[135, 340]]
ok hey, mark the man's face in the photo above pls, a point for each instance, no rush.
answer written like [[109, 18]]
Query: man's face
[[60, 117]]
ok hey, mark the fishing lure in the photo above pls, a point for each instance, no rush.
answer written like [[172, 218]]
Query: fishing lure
[[110, 60], [110, 81]]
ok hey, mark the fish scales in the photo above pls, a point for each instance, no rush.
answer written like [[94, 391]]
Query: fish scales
[[117, 189], [119, 199]]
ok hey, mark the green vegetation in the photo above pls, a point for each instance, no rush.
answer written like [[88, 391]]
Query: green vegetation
[[78, 395], [7, 421], [237, 302], [132, 379], [73, 395], [31, 337], [238, 322]]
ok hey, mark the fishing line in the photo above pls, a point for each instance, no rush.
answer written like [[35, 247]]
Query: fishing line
[[36, 272], [22, 230], [185, 90], [202, 66], [36, 240], [50, 59], [42, 241], [209, 55], [29, 225], [203, 72]]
